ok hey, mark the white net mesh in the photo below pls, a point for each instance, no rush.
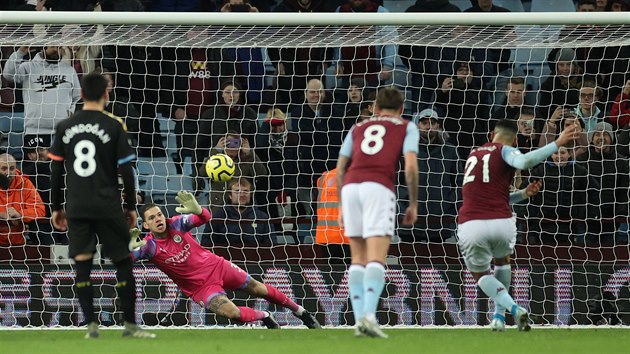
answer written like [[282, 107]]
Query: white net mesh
[[184, 89]]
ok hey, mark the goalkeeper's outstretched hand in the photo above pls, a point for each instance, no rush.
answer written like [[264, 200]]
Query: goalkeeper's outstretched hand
[[133, 242], [188, 202]]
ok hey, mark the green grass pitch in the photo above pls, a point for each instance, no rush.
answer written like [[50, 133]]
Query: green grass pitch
[[326, 341]]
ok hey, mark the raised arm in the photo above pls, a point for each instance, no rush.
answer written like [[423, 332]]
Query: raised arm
[[513, 157], [11, 72]]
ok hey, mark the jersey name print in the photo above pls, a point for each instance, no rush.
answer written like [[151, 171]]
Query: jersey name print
[[486, 189], [92, 145]]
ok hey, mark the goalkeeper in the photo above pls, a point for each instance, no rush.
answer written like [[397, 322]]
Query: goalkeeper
[[199, 273]]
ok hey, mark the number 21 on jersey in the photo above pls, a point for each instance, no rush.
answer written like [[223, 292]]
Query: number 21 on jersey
[[471, 163]]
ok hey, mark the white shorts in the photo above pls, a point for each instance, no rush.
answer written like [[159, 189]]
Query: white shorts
[[482, 240], [369, 209]]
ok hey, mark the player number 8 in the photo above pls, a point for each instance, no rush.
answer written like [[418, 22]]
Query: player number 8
[[84, 162], [373, 139]]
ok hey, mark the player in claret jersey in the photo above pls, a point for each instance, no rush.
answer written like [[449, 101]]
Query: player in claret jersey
[[372, 150], [486, 225], [199, 273]]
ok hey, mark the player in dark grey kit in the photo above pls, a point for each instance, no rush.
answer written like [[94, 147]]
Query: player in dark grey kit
[[92, 146]]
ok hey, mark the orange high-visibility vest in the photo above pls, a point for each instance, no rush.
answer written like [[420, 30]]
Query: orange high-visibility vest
[[328, 229]]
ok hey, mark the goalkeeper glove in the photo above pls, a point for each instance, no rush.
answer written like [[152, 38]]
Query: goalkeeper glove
[[133, 243], [188, 202]]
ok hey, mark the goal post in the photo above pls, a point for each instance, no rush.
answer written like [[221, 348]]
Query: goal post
[[176, 75]]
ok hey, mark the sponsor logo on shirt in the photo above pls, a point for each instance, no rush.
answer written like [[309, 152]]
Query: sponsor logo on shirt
[[181, 257], [50, 82]]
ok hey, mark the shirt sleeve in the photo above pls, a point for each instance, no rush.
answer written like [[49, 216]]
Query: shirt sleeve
[[346, 146], [56, 151], [513, 156], [145, 252], [124, 151], [412, 139], [516, 197]]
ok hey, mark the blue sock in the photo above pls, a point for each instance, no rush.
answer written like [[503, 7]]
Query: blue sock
[[355, 284], [373, 285], [497, 291], [503, 273]]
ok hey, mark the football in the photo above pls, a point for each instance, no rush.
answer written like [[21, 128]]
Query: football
[[220, 168]]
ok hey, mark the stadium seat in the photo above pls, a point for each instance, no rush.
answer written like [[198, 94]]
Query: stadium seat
[[12, 122], [553, 6], [155, 166]]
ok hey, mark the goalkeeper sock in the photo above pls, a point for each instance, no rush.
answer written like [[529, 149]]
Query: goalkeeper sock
[[356, 273], [84, 289], [250, 315], [276, 297], [497, 291], [373, 284], [503, 273], [126, 288]]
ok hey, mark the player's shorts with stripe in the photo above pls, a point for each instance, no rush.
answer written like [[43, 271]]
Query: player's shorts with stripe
[[369, 209], [113, 233], [482, 240], [226, 275]]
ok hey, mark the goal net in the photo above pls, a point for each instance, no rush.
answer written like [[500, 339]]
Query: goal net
[[278, 94]]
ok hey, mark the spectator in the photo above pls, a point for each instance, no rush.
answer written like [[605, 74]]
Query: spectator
[[19, 203], [602, 5], [618, 5], [558, 211], [121, 106], [181, 6], [122, 5], [247, 64], [527, 137], [277, 148], [86, 58], [374, 64], [319, 140], [620, 111], [349, 109], [294, 66], [51, 89], [238, 222], [246, 162], [230, 114], [586, 6], [439, 184], [587, 109], [495, 61], [567, 118], [423, 61], [561, 87], [514, 102], [136, 69], [191, 82], [465, 107], [612, 174], [36, 167]]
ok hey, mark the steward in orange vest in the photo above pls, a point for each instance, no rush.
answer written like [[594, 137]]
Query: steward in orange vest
[[328, 230]]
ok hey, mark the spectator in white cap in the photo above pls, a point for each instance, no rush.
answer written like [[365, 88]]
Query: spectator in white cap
[[439, 182], [611, 171]]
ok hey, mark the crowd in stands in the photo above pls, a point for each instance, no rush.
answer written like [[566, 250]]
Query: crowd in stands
[[283, 123]]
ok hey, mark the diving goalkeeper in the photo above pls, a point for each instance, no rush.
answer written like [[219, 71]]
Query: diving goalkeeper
[[199, 273]]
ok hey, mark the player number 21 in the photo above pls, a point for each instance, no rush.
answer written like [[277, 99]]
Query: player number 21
[[470, 166], [373, 139], [84, 163]]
